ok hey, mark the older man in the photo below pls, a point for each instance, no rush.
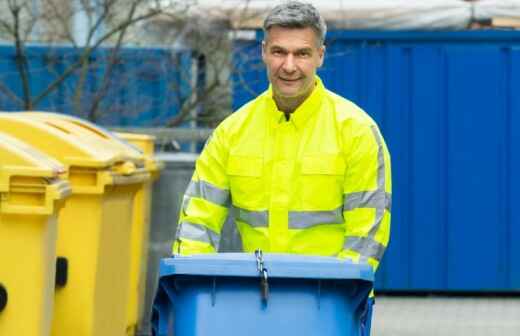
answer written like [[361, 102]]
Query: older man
[[303, 170]]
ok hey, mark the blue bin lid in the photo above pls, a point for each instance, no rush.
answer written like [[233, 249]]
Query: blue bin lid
[[277, 265]]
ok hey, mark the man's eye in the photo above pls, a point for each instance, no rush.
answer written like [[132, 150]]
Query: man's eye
[[277, 52], [303, 54]]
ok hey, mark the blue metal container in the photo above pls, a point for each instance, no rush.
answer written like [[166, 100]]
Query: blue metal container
[[138, 91], [224, 294], [448, 104]]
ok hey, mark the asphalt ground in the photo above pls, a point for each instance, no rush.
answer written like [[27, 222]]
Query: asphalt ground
[[446, 316]]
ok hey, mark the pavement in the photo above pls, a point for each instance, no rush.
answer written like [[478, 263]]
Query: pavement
[[446, 316]]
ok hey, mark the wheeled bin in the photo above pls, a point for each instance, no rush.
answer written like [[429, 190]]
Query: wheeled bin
[[141, 234], [236, 294], [139, 149], [32, 191], [94, 226]]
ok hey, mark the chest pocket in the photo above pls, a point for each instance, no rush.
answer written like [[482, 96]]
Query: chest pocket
[[321, 181], [245, 180]]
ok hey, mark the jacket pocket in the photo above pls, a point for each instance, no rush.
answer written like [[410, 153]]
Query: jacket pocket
[[245, 180], [324, 164], [321, 181]]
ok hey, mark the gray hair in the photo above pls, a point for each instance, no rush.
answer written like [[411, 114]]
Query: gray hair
[[295, 14]]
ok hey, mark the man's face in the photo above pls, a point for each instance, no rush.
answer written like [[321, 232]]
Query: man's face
[[292, 56]]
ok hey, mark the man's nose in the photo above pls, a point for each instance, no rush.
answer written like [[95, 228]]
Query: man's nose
[[288, 64]]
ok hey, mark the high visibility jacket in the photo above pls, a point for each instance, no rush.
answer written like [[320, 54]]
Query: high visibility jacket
[[317, 184]]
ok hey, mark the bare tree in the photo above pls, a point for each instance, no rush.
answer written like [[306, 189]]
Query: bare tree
[[109, 22], [200, 93]]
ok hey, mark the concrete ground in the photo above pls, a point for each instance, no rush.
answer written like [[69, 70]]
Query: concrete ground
[[446, 316]]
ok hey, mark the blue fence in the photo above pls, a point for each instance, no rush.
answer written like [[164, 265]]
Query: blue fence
[[145, 87], [448, 104]]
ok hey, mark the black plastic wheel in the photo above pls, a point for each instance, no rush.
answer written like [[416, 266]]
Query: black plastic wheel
[[3, 297]]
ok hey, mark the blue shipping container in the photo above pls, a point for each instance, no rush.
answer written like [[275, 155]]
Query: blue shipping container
[[142, 87], [448, 104], [222, 294]]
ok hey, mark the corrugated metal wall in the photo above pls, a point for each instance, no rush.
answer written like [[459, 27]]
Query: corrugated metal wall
[[145, 88], [448, 104]]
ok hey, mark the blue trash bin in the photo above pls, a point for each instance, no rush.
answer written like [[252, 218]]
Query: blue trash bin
[[229, 294]]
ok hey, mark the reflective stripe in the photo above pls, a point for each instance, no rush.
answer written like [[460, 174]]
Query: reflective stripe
[[379, 199], [367, 247], [253, 218], [381, 179], [185, 202], [306, 219], [297, 219], [208, 192], [367, 199], [198, 233], [380, 159]]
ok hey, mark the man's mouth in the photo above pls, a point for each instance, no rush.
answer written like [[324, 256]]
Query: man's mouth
[[289, 79]]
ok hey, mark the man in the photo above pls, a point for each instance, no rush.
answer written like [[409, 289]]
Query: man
[[304, 170]]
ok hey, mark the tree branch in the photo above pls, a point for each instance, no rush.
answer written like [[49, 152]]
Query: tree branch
[[10, 94], [20, 56], [102, 92], [187, 108], [88, 51]]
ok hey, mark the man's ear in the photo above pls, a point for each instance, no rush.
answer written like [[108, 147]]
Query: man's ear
[[321, 54]]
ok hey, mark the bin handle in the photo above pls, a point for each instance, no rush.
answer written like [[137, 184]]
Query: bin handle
[[62, 272], [3, 297], [264, 284]]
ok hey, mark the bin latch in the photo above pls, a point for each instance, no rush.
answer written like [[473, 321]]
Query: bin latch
[[62, 272], [264, 284], [3, 297]]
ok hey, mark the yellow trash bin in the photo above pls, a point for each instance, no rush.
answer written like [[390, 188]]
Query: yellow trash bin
[[142, 208], [31, 194], [138, 147], [94, 227]]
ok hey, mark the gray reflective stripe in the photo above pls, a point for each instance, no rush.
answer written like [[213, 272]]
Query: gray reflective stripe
[[253, 218], [306, 219], [367, 199], [198, 233], [366, 247], [381, 179], [379, 199], [185, 202], [380, 159], [208, 192], [297, 219]]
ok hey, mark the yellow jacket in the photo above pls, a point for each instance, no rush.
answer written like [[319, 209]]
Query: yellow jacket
[[318, 184]]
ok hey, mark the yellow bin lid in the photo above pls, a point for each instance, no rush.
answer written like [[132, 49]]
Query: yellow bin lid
[[84, 128], [24, 168], [145, 143], [70, 148]]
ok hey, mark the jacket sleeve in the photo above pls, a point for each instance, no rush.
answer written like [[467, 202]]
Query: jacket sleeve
[[206, 201], [367, 195]]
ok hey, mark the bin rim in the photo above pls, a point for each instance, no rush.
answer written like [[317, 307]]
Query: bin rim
[[135, 136], [22, 160], [6, 172], [139, 176], [278, 266], [57, 189]]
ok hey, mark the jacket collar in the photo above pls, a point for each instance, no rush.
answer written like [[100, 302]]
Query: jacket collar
[[302, 114]]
